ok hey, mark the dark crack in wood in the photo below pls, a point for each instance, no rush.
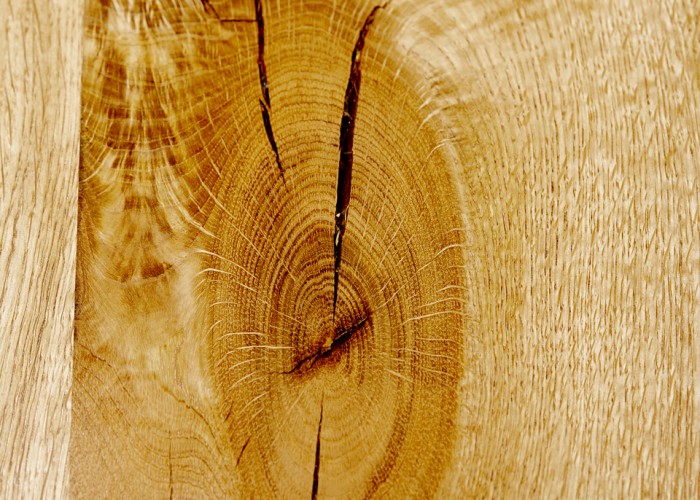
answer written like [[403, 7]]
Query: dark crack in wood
[[265, 104], [317, 462], [240, 454], [270, 135], [262, 70], [346, 143], [209, 9], [339, 339], [342, 338]]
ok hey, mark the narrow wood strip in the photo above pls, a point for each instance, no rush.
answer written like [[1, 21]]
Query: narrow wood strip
[[40, 57]]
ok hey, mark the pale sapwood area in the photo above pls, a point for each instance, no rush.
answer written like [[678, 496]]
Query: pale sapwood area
[[39, 146], [501, 300]]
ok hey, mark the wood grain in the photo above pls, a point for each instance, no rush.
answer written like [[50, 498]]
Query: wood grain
[[39, 137], [518, 300]]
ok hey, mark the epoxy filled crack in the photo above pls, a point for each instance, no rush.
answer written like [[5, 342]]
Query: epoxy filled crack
[[317, 461], [346, 143], [265, 106]]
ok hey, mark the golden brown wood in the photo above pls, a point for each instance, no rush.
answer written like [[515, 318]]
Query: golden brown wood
[[518, 288], [39, 138]]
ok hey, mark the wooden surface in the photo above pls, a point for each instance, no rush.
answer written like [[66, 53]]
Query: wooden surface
[[208, 345], [39, 140], [520, 280]]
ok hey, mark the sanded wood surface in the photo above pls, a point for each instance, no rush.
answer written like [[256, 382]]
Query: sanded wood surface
[[39, 143], [343, 249]]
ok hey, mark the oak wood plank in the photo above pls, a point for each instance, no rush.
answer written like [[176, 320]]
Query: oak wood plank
[[40, 62]]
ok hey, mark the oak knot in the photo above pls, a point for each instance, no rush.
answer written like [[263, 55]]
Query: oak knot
[[336, 279], [334, 342]]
